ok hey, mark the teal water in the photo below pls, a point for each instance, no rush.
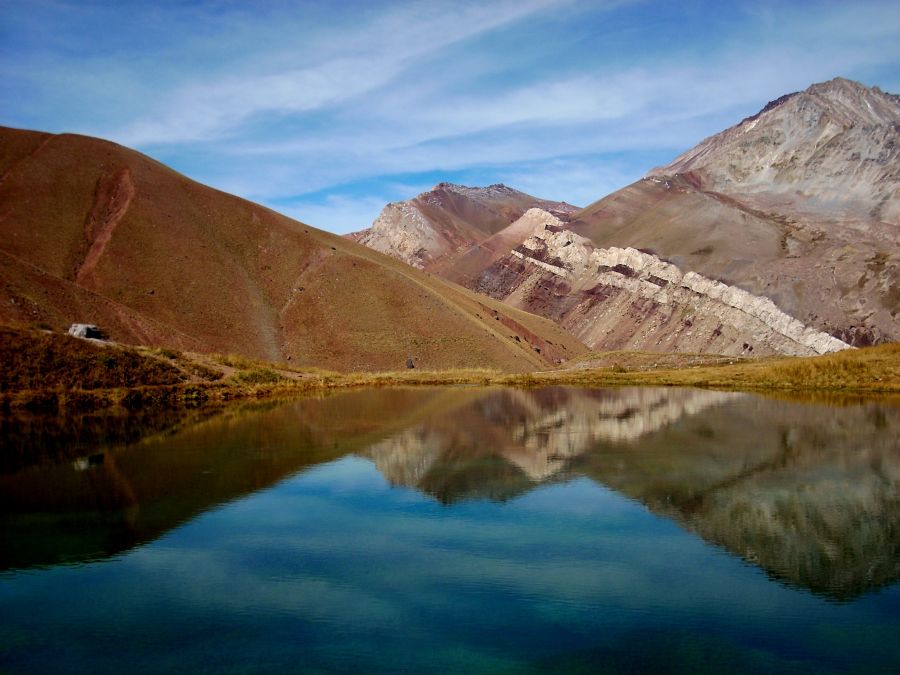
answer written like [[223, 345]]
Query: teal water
[[463, 530]]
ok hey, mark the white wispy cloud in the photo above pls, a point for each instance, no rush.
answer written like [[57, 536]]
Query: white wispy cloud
[[321, 112], [377, 53]]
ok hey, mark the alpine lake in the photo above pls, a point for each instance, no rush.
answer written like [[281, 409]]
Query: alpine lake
[[456, 529]]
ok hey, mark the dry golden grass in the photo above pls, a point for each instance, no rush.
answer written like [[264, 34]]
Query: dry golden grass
[[41, 360], [257, 376], [622, 361], [239, 362], [420, 377], [50, 370], [874, 369]]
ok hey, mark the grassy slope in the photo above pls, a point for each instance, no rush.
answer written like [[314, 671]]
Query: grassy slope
[[466, 267], [187, 266], [873, 369], [51, 369], [38, 360], [30, 295]]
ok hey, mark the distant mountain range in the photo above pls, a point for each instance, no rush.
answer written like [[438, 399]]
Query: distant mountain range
[[778, 235]]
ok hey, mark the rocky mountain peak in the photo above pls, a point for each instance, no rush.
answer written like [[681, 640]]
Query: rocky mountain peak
[[448, 220], [833, 148], [854, 103], [771, 105], [845, 100], [494, 191]]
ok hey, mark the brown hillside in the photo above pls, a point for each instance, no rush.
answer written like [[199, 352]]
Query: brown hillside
[[99, 233], [838, 277]]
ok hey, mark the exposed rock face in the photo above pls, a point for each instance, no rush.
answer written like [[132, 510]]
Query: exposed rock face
[[614, 298], [799, 203], [448, 220], [402, 232], [86, 330], [831, 149]]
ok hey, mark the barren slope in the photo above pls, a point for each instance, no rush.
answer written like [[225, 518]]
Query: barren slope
[[622, 298], [800, 203], [95, 232], [830, 151]]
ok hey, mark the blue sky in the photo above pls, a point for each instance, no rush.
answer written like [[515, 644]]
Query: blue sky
[[328, 110]]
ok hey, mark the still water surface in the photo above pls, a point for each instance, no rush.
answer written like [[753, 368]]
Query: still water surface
[[457, 529]]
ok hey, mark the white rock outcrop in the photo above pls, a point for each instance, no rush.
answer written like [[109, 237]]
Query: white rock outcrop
[[541, 441], [448, 220], [401, 231], [643, 275]]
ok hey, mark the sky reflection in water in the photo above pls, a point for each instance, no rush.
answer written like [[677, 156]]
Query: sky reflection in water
[[466, 529]]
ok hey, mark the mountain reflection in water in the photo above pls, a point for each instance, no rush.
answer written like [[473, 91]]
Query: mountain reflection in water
[[808, 492]]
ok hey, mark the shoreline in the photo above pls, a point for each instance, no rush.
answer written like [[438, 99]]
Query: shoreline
[[48, 371]]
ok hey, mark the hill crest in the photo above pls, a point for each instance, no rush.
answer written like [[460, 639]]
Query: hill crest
[[97, 233], [433, 228]]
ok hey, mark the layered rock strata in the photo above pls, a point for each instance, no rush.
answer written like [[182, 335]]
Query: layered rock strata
[[614, 298], [799, 203]]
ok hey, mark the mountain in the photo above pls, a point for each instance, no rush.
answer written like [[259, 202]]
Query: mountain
[[95, 232], [793, 214], [828, 151], [623, 298], [799, 203], [430, 230]]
